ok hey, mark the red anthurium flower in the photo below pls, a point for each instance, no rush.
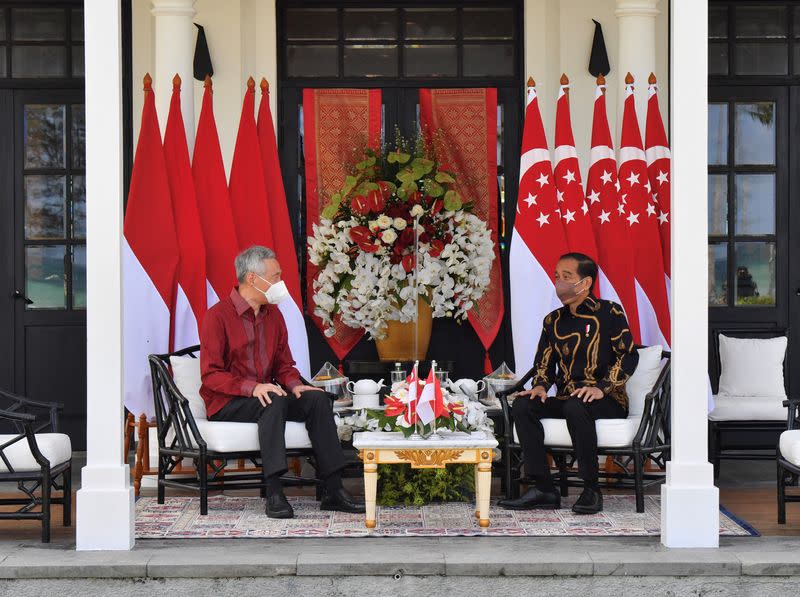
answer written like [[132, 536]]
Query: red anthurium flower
[[386, 190], [424, 237], [437, 247], [408, 262], [362, 236], [406, 238], [456, 408], [394, 406], [360, 205], [414, 198], [375, 201], [437, 206]]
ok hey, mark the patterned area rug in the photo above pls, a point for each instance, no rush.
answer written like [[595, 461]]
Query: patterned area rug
[[231, 516]]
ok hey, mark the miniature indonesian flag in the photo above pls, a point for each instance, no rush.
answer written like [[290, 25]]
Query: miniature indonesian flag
[[426, 405], [413, 391]]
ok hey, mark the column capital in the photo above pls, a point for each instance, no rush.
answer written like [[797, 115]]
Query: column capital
[[173, 8], [637, 8]]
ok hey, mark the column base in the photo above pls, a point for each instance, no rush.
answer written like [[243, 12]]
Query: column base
[[689, 515], [105, 509]]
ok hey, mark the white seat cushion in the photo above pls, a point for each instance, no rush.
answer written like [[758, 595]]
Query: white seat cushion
[[644, 378], [186, 374], [748, 408], [789, 445], [56, 447], [226, 436], [751, 366], [611, 433]]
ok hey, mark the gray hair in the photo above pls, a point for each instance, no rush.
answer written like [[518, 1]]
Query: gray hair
[[252, 260]]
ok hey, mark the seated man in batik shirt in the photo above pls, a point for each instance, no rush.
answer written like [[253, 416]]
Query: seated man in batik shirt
[[587, 351]]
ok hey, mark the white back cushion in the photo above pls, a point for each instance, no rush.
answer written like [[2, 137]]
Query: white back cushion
[[186, 373], [751, 366], [643, 379]]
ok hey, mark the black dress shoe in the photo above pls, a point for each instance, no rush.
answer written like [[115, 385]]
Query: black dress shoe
[[341, 501], [590, 502], [533, 499], [278, 506]]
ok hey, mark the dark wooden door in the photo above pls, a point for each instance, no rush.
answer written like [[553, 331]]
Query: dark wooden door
[[48, 211]]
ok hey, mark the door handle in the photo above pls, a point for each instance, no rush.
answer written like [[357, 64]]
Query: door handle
[[18, 294]]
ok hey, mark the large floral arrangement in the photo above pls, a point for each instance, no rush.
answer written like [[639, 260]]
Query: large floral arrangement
[[398, 214]]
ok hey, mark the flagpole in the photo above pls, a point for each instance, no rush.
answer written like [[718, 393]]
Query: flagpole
[[416, 436], [434, 435], [416, 289]]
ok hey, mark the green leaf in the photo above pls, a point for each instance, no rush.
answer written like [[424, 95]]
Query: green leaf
[[422, 165], [432, 188], [406, 175], [452, 201], [397, 157], [349, 184], [409, 188], [444, 177], [330, 211]]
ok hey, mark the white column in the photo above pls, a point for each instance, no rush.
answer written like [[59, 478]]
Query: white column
[[175, 36], [105, 500], [690, 502], [636, 21]]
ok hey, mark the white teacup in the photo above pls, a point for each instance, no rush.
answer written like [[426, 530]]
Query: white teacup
[[364, 386], [469, 387]]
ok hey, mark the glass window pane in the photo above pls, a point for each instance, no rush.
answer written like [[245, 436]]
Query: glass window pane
[[79, 277], [755, 273], [754, 140], [77, 61], [762, 59], [45, 207], [38, 24], [38, 61], [488, 60], [78, 139], [312, 61], [44, 136], [718, 204], [717, 274], [311, 24], [761, 21], [78, 207], [2, 24], [44, 277], [3, 62], [797, 58], [370, 23], [430, 23], [717, 134], [718, 58], [370, 61], [755, 203], [717, 22], [77, 24], [797, 21], [488, 23], [430, 61]]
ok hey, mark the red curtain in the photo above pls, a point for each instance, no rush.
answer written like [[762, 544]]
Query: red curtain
[[335, 123], [466, 120]]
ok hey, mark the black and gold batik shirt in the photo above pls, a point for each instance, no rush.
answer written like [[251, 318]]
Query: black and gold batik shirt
[[592, 347]]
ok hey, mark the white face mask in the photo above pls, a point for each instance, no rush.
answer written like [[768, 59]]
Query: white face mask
[[276, 292]]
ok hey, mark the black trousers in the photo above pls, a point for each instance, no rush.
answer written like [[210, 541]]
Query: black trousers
[[314, 408], [580, 418]]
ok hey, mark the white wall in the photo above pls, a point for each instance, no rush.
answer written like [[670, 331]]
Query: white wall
[[558, 38]]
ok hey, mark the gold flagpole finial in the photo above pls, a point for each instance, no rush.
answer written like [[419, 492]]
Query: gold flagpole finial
[[601, 80], [264, 85], [531, 82], [652, 79], [629, 79], [564, 79], [251, 85], [176, 81], [147, 82]]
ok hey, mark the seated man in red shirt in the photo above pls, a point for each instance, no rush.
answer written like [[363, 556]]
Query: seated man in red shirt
[[248, 375]]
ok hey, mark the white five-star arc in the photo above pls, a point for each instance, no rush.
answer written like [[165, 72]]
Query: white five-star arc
[[530, 199], [542, 219], [604, 217], [542, 180], [606, 177], [569, 176], [633, 218], [662, 177], [594, 196]]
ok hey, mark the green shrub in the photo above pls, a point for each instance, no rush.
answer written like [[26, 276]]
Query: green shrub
[[399, 484]]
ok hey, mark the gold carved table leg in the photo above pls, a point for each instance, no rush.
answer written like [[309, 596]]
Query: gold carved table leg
[[370, 490], [483, 487]]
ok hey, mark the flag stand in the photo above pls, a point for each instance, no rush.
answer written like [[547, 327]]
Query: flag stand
[[416, 436], [434, 435]]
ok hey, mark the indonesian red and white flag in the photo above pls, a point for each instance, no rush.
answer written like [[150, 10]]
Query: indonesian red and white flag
[[641, 213], [426, 405], [282, 236], [658, 168], [246, 190], [537, 239], [413, 395], [150, 261], [211, 191], [191, 299], [569, 188], [607, 214]]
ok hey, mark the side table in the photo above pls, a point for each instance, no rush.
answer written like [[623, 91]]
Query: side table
[[381, 447]]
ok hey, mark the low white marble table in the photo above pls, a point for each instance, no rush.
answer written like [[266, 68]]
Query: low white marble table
[[381, 447]]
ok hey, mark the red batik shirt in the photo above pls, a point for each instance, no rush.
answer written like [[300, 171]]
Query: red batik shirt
[[239, 349]]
